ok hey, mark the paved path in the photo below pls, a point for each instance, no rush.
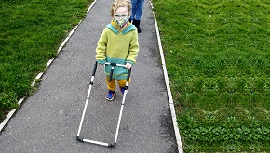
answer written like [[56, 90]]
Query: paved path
[[48, 121]]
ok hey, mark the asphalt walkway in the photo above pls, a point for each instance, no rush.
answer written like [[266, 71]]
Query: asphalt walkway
[[48, 120]]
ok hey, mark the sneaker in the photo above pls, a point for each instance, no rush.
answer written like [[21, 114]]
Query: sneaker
[[122, 89], [110, 95]]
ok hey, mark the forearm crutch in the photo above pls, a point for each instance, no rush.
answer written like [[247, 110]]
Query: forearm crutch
[[112, 145]]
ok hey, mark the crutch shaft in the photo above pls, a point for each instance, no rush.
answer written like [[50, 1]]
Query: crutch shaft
[[121, 110], [85, 107], [88, 94]]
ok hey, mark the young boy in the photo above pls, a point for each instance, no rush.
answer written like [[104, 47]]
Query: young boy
[[118, 44]]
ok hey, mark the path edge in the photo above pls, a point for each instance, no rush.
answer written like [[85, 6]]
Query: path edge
[[171, 104]]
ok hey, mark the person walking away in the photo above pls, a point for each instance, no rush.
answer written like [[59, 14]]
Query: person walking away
[[136, 13], [118, 44]]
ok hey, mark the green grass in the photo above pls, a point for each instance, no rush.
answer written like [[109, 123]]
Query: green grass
[[217, 54], [31, 32]]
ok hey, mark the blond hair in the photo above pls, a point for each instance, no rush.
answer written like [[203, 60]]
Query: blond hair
[[120, 3]]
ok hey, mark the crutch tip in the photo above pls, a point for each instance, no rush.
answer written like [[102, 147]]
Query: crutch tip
[[79, 139], [112, 145]]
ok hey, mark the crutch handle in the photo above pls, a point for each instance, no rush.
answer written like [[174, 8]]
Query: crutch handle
[[121, 65], [93, 73], [94, 69], [129, 71]]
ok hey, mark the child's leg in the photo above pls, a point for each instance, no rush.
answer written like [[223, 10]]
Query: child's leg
[[110, 85], [122, 83]]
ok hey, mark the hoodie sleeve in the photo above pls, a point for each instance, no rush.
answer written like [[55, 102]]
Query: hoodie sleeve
[[101, 47], [133, 48]]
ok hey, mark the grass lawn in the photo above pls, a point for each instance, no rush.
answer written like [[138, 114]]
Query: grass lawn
[[31, 32], [217, 55]]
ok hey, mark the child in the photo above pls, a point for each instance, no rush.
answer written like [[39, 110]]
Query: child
[[118, 44], [136, 13]]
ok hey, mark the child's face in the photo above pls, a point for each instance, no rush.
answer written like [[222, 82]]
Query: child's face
[[121, 17]]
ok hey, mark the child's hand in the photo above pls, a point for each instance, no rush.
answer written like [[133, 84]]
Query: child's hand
[[128, 65]]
